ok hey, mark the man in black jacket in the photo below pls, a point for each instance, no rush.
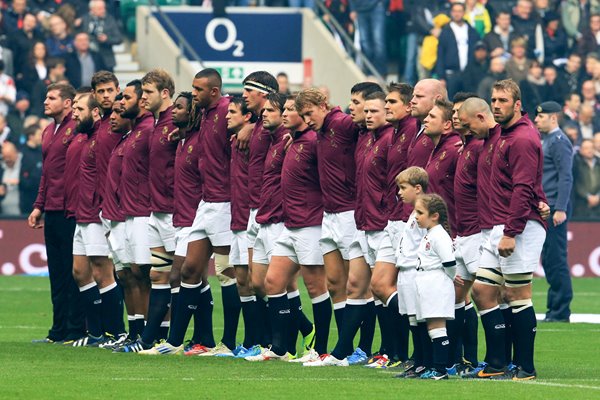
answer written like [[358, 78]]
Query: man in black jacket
[[455, 48], [82, 63]]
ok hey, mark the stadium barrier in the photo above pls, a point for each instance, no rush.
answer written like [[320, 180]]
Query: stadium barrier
[[22, 249]]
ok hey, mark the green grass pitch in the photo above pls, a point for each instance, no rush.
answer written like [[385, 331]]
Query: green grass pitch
[[567, 360]]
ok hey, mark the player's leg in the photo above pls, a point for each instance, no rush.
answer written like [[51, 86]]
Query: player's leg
[[231, 301], [518, 272], [336, 269], [89, 294]]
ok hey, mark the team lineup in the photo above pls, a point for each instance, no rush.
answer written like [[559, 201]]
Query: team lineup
[[411, 212]]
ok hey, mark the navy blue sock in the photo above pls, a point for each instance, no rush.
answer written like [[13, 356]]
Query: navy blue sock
[[356, 312], [367, 329], [231, 314], [399, 329], [507, 314], [158, 305], [338, 311], [112, 306], [92, 304], [187, 304], [279, 312], [384, 327], [205, 311], [426, 345], [322, 313], [263, 327], [163, 332], [298, 320], [470, 339], [417, 355], [249, 315], [440, 347], [524, 329], [495, 337], [454, 332]]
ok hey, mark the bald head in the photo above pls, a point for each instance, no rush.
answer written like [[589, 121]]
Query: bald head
[[425, 93], [476, 117], [9, 153]]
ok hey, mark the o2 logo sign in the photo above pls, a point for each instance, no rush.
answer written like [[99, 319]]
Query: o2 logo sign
[[231, 41]]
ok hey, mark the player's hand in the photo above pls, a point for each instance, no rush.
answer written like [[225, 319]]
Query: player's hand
[[243, 137], [506, 246], [559, 217], [544, 210], [173, 136], [287, 140], [34, 219], [458, 281]]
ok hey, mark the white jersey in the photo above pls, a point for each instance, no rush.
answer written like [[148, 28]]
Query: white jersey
[[435, 249], [406, 253]]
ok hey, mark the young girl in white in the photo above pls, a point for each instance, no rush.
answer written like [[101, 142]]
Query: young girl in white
[[436, 272]]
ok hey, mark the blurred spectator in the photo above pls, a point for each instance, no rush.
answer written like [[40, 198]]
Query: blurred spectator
[[586, 189], [31, 169], [533, 89], [501, 37], [429, 47], [7, 56], [497, 72], [22, 41], [476, 69], [14, 16], [11, 165], [284, 83], [59, 42], [542, 7], [571, 108], [597, 144], [370, 18], [82, 63], [588, 122], [5, 132], [555, 38], [478, 17], [518, 65], [570, 73], [572, 132], [34, 69], [526, 26], [16, 119], [576, 16], [455, 49], [8, 91], [56, 73], [590, 38], [591, 60], [302, 3], [556, 90], [588, 94], [103, 30], [418, 25]]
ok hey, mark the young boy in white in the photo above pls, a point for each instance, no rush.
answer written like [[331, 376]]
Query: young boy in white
[[411, 182], [434, 280]]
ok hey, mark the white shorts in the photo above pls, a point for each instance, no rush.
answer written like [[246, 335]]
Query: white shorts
[[238, 253], [182, 238], [525, 258], [253, 227], [105, 224], [366, 244], [301, 245], [435, 295], [407, 292], [136, 241], [265, 242], [89, 240], [390, 241], [485, 235], [337, 232], [467, 252], [117, 242], [161, 232], [212, 222]]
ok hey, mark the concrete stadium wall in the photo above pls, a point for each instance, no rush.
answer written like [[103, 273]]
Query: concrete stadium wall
[[156, 49]]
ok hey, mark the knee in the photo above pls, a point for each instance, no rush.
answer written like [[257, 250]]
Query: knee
[[258, 283], [189, 274], [273, 284], [354, 286]]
